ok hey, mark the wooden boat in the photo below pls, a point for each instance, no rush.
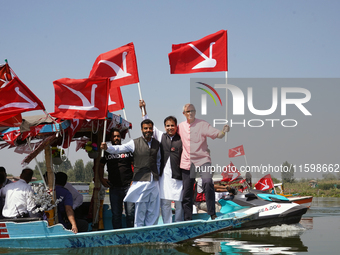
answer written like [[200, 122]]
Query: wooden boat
[[302, 200], [38, 235]]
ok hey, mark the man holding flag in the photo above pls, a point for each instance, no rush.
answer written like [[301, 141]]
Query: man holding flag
[[195, 158], [144, 190]]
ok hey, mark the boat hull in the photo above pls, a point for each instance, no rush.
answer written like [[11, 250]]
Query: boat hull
[[302, 200], [38, 235]]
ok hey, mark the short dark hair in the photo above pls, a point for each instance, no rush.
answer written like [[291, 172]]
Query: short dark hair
[[2, 178], [115, 130], [26, 174], [170, 118], [2, 169], [146, 121], [60, 178]]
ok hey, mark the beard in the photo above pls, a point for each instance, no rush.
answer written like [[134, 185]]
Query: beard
[[117, 142], [147, 135]]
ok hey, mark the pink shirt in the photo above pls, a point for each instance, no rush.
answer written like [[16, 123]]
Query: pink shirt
[[194, 140]]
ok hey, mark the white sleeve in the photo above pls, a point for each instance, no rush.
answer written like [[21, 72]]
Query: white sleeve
[[127, 147]]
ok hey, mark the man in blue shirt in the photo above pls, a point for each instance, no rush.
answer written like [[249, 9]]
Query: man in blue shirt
[[65, 210]]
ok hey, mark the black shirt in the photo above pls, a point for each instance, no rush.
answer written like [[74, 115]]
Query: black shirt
[[119, 168]]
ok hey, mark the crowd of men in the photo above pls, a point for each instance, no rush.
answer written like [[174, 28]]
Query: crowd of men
[[165, 166], [145, 175]]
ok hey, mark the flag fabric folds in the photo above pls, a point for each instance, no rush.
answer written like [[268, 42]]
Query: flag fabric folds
[[208, 54], [265, 183], [76, 125], [237, 151], [81, 98], [116, 102], [120, 65], [5, 75], [230, 173], [16, 98]]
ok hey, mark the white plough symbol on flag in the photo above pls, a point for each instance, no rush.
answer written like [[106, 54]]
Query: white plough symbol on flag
[[208, 62], [238, 152], [265, 186], [88, 106], [121, 73], [29, 105]]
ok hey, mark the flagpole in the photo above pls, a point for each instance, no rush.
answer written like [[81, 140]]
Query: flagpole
[[224, 86], [226, 104], [140, 96], [245, 159], [104, 134], [126, 119]]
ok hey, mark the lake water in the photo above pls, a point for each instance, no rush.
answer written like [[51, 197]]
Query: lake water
[[317, 233]]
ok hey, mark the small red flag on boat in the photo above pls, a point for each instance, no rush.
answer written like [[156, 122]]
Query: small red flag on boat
[[265, 183], [237, 151], [230, 173]]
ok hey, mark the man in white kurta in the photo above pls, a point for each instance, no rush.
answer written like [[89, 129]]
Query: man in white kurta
[[144, 190], [170, 188]]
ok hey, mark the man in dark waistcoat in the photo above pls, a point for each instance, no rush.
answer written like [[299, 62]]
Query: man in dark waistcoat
[[144, 191], [170, 180], [119, 167]]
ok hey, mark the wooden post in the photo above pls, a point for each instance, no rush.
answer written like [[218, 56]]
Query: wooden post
[[50, 177], [97, 184]]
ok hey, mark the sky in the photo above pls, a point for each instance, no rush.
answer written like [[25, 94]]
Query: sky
[[47, 40]]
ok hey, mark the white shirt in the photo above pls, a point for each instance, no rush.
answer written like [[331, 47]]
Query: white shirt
[[169, 188], [18, 198], [77, 197]]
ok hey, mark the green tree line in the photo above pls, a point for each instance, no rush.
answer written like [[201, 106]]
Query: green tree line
[[76, 173]]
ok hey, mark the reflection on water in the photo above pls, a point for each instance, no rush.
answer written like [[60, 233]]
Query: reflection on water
[[125, 250], [322, 206], [283, 239]]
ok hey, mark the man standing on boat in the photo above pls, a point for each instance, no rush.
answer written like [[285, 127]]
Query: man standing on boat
[[195, 158], [170, 177], [144, 191], [119, 167]]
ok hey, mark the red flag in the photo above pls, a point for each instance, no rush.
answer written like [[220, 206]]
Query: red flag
[[116, 102], [10, 137], [230, 173], [120, 65], [81, 98], [237, 151], [265, 183], [76, 124], [14, 121], [34, 130], [208, 54], [16, 98], [5, 75]]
